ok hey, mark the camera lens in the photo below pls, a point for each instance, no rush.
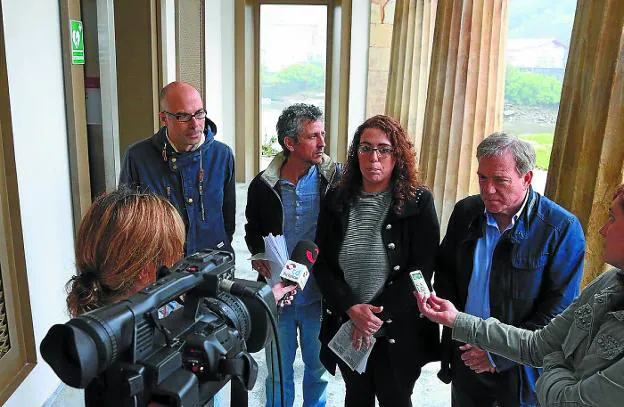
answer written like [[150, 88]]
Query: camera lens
[[87, 345], [71, 353]]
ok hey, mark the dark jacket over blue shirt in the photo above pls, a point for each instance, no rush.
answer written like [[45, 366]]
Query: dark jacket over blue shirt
[[154, 165], [535, 272], [265, 212]]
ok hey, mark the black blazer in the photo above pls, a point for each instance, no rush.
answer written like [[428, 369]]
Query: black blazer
[[411, 239]]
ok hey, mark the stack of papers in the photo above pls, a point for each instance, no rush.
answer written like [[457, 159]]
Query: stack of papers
[[343, 348], [276, 252]]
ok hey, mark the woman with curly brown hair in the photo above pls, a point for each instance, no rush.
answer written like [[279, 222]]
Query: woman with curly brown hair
[[374, 228]]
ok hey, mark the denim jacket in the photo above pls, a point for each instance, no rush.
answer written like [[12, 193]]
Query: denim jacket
[[581, 350], [206, 202], [535, 272]]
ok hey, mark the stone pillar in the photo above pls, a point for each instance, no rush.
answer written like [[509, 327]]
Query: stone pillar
[[465, 96], [379, 50], [412, 42], [136, 47], [339, 23], [587, 159], [247, 89], [77, 140], [190, 44]]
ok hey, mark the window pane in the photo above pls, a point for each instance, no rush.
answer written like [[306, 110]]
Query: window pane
[[292, 65], [537, 51]]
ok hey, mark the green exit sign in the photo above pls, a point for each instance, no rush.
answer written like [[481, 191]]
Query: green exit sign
[[77, 42]]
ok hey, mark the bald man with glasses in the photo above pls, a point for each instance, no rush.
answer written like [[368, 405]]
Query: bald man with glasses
[[185, 164]]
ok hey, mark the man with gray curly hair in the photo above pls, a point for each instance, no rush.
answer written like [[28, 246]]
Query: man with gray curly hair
[[285, 199], [508, 253]]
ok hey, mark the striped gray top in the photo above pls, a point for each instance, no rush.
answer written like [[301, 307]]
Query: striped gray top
[[363, 257]]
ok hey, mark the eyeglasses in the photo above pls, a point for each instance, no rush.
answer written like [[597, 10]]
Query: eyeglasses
[[382, 151], [186, 117]]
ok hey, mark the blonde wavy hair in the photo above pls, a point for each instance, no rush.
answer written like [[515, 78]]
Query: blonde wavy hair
[[123, 239]]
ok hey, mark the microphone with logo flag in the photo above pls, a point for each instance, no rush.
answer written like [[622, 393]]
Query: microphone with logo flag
[[297, 270]]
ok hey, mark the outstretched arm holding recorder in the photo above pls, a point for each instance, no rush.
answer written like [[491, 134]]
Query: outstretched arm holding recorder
[[581, 350]]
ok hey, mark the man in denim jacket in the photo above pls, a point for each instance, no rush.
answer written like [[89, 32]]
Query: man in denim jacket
[[581, 350], [511, 254], [185, 164]]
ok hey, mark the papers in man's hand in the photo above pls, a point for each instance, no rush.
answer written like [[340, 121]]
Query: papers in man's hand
[[341, 345], [276, 253]]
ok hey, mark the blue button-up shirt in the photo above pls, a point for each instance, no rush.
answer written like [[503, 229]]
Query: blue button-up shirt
[[478, 301], [301, 204]]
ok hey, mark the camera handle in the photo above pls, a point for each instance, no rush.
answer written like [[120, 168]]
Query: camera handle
[[238, 290], [277, 346], [129, 382], [238, 395], [243, 367]]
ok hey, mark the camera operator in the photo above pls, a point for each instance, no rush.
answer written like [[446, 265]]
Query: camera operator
[[123, 239]]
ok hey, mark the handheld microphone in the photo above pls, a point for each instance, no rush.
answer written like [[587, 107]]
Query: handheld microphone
[[297, 270]]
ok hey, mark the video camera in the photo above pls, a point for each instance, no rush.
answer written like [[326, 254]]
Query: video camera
[[124, 355]]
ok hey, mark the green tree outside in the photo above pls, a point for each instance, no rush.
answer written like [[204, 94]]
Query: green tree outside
[[296, 79], [531, 88]]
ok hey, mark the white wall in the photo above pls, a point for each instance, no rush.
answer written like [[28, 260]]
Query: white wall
[[33, 52], [167, 12], [358, 68], [227, 66], [220, 67]]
